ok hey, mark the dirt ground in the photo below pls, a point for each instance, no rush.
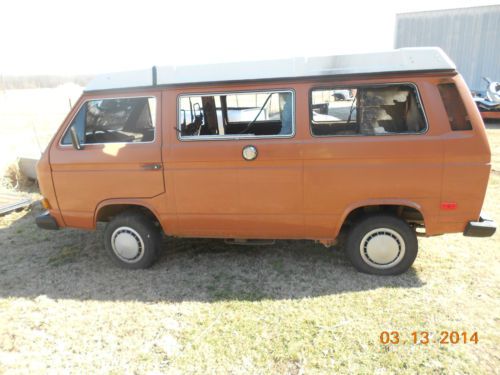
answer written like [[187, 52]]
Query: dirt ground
[[207, 307]]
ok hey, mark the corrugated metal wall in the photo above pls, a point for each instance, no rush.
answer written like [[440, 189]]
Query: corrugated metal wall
[[470, 36]]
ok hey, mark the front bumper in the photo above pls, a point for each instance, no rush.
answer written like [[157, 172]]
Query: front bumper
[[485, 227], [46, 221]]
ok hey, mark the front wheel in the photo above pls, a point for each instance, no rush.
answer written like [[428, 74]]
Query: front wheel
[[132, 240], [382, 245]]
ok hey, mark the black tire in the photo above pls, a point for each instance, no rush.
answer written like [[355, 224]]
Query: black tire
[[390, 245], [130, 227]]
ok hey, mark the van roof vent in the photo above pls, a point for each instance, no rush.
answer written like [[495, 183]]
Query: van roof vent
[[398, 60]]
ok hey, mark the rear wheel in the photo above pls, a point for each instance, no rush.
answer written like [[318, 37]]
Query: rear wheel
[[132, 240], [382, 245]]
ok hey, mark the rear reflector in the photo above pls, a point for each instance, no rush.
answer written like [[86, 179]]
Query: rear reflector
[[448, 205]]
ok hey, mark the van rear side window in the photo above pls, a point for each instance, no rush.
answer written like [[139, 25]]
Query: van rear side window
[[366, 110], [234, 115], [128, 120], [457, 115]]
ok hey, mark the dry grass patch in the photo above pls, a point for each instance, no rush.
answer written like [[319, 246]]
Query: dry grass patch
[[14, 180]]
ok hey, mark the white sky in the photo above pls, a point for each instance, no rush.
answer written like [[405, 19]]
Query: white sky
[[89, 36]]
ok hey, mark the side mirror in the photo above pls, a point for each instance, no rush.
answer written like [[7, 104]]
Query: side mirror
[[74, 139]]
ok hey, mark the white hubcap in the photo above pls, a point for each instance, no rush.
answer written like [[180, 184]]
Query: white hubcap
[[127, 244], [382, 248]]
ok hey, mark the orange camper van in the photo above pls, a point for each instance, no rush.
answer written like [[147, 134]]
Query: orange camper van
[[375, 149]]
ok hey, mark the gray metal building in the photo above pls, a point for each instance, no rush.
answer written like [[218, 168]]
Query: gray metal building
[[470, 36]]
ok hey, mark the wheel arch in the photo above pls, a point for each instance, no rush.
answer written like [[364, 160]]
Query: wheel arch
[[108, 209], [408, 210]]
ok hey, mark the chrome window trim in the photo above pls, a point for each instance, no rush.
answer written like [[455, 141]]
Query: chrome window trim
[[60, 144], [233, 137], [337, 87]]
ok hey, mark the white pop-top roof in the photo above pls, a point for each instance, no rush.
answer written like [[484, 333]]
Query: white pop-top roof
[[398, 60]]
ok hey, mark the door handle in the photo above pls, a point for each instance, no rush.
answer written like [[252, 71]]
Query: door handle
[[151, 167], [250, 153]]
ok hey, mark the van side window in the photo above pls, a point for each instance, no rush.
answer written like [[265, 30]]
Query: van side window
[[114, 120], [365, 110], [236, 115], [457, 115]]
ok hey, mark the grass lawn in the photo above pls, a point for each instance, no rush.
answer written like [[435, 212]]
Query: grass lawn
[[208, 307]]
